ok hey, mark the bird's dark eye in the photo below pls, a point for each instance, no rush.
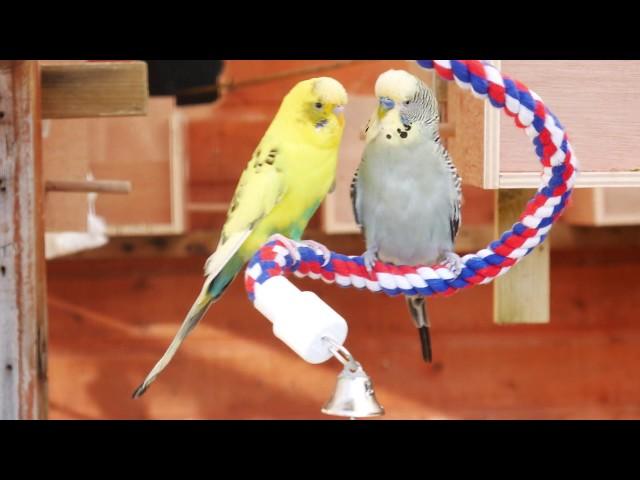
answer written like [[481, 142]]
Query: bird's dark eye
[[407, 102], [318, 105]]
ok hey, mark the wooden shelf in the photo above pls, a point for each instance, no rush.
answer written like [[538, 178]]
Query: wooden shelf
[[78, 89]]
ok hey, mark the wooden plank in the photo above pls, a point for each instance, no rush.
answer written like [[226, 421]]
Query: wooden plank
[[584, 179], [100, 89], [522, 295], [23, 317]]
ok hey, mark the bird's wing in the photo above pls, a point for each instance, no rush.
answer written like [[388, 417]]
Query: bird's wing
[[355, 199], [261, 187], [456, 213]]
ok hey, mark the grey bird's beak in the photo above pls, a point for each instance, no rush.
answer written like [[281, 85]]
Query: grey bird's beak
[[386, 103]]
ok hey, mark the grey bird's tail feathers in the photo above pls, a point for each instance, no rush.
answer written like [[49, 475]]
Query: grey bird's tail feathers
[[418, 311]]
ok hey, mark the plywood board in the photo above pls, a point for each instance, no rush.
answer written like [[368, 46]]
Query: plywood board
[[147, 151], [595, 100]]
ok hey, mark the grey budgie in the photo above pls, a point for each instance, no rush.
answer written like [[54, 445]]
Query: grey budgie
[[406, 192]]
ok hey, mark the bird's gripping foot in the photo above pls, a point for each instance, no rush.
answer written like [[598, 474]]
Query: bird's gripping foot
[[453, 262], [370, 258], [288, 244], [326, 253]]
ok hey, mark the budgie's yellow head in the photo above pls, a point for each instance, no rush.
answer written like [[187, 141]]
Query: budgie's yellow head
[[316, 106]]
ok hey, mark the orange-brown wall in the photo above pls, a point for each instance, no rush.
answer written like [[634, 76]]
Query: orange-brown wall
[[111, 320]]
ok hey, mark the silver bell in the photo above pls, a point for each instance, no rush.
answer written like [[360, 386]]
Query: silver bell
[[354, 395]]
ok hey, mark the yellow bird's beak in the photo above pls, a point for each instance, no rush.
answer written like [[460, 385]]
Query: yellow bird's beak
[[338, 111]]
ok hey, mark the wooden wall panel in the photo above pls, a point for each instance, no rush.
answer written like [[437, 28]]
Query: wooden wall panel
[[111, 319]]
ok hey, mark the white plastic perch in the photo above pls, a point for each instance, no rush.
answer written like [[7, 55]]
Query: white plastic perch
[[300, 319]]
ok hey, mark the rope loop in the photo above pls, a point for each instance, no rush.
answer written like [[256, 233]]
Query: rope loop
[[559, 170]]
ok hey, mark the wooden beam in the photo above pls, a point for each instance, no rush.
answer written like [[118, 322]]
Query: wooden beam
[[202, 243], [23, 317], [584, 180], [470, 239], [100, 89], [522, 295]]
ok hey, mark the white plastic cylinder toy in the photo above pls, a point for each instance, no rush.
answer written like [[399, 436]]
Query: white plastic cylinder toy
[[300, 319]]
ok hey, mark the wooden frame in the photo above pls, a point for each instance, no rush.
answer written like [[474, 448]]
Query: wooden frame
[[177, 224], [23, 315], [76, 147]]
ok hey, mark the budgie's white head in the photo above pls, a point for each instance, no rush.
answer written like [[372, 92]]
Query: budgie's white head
[[406, 94], [397, 85]]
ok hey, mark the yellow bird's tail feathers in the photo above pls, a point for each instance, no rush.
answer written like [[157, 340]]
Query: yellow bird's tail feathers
[[215, 283], [197, 311]]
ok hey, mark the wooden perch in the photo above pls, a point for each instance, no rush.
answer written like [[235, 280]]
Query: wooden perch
[[88, 186], [94, 89]]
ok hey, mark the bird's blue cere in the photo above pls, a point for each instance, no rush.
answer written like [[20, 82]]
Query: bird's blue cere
[[387, 103]]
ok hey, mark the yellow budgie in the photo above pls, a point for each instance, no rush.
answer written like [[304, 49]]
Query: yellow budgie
[[291, 171]]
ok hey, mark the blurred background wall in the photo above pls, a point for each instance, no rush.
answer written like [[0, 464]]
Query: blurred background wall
[[113, 310]]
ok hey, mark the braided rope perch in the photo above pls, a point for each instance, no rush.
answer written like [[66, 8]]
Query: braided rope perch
[[558, 177]]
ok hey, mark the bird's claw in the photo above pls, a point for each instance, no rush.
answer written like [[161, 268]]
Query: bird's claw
[[370, 258], [326, 253], [288, 244], [453, 262]]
